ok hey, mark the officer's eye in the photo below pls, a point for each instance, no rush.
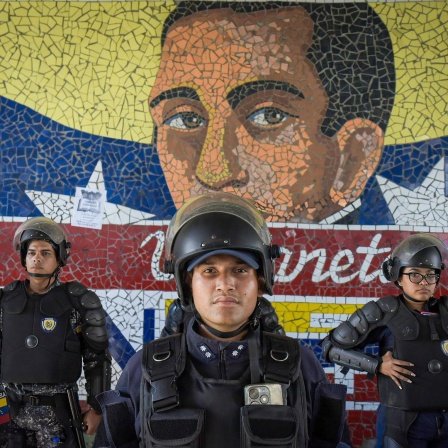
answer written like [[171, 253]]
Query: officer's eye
[[432, 277], [186, 121]]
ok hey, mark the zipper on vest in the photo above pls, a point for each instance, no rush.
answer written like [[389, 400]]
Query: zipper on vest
[[222, 364]]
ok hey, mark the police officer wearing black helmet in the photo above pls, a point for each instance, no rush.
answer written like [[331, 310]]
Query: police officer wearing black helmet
[[223, 382], [47, 329], [412, 331]]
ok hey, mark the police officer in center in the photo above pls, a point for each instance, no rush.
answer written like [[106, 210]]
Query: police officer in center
[[411, 329], [223, 382], [47, 329]]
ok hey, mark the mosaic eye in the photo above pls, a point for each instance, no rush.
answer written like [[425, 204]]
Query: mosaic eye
[[186, 120], [268, 116]]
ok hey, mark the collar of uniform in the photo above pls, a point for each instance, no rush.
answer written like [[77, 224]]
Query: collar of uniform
[[207, 350], [56, 283]]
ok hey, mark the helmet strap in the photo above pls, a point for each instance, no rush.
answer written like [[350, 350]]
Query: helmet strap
[[55, 274], [40, 275], [252, 323], [411, 299]]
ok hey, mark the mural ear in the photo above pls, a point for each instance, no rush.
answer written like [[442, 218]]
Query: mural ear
[[360, 144]]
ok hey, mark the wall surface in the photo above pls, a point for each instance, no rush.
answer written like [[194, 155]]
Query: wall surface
[[331, 118]]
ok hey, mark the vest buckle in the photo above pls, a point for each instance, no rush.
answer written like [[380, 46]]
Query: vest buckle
[[165, 394]]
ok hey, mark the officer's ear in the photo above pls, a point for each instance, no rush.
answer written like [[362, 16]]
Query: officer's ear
[[188, 278], [360, 145], [261, 285]]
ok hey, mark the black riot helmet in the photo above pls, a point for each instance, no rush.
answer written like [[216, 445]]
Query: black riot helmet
[[45, 229], [217, 222], [419, 250]]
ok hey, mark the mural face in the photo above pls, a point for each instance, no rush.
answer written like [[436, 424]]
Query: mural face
[[330, 117], [252, 125]]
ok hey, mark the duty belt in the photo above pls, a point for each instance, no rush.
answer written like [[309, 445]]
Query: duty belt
[[38, 400]]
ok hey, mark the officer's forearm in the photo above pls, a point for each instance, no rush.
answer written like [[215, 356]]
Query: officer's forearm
[[97, 370], [353, 359]]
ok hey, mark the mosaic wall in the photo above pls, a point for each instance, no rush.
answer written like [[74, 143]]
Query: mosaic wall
[[332, 118]]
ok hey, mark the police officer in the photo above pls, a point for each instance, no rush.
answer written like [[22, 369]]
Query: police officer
[[48, 328], [412, 332], [223, 382]]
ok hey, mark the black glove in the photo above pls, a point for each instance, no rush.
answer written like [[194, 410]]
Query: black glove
[[269, 318], [176, 319]]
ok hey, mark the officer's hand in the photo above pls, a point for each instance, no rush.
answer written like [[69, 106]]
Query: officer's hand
[[394, 368], [90, 421]]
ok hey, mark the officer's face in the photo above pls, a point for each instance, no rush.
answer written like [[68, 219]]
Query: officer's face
[[41, 258], [420, 291], [225, 291]]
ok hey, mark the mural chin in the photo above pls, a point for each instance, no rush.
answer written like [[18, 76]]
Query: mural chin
[[309, 211]]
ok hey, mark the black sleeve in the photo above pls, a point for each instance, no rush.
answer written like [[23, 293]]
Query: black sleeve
[[327, 419], [94, 340]]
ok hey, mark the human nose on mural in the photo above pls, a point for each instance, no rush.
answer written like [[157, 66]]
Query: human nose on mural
[[218, 166]]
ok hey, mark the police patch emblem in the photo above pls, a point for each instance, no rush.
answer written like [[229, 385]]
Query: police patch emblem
[[48, 324], [444, 345]]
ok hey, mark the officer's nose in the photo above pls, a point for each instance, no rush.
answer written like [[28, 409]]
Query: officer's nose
[[224, 282]]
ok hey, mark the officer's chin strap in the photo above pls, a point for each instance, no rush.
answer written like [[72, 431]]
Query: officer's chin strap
[[252, 323], [55, 274], [411, 299]]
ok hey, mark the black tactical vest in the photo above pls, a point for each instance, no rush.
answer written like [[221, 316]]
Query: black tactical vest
[[422, 340], [197, 412], [39, 344]]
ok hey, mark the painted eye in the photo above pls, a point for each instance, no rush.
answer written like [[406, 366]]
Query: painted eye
[[268, 116], [186, 120]]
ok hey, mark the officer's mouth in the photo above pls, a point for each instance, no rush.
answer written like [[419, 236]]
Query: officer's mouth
[[225, 300], [424, 291]]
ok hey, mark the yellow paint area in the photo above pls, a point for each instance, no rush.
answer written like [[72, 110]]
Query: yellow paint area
[[296, 316], [87, 65], [420, 37]]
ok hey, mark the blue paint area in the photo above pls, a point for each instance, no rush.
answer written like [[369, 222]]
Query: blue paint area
[[149, 325], [407, 165], [37, 153], [120, 349]]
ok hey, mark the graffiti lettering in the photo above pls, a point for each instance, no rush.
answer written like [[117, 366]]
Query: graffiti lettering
[[343, 261]]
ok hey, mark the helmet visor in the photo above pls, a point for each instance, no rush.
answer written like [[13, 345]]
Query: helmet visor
[[410, 246], [221, 203], [39, 225]]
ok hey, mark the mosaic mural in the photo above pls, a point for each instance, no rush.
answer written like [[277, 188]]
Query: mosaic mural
[[332, 118]]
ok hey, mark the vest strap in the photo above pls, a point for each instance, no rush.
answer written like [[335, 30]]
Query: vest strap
[[163, 363], [281, 356]]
